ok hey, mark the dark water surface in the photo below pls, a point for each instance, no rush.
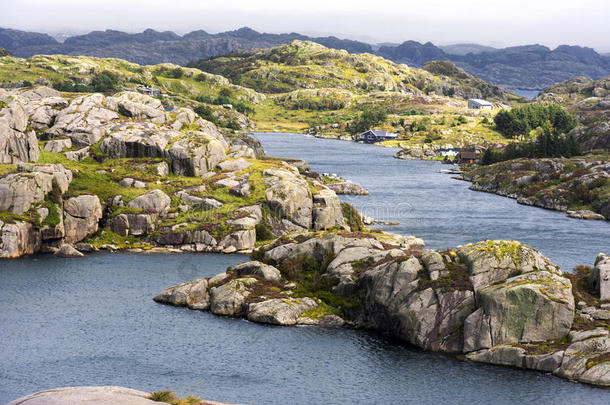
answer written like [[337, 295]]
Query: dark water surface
[[440, 210], [91, 321]]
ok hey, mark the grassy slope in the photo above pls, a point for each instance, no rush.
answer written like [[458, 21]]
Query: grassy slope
[[182, 91], [309, 85]]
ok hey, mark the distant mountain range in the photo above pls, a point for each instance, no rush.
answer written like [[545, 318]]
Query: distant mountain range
[[528, 67]]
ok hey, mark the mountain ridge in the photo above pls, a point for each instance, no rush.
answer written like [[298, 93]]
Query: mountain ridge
[[531, 66]]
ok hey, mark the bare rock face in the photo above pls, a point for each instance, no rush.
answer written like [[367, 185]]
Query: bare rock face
[[139, 106], [19, 191], [193, 294], [600, 278], [327, 211], [280, 311], [229, 299], [84, 120], [18, 239], [87, 395], [289, 196], [67, 250], [17, 144], [347, 187], [531, 307], [155, 201], [257, 268], [81, 217]]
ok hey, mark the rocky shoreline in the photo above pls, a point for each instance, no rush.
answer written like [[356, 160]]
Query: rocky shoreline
[[577, 186], [497, 302], [104, 395], [89, 172]]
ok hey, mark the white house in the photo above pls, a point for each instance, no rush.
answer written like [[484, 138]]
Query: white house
[[478, 104]]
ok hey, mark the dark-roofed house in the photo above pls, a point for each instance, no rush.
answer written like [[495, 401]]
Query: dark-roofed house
[[467, 157], [376, 135]]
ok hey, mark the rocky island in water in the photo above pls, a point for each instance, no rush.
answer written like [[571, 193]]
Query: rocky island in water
[[107, 155]]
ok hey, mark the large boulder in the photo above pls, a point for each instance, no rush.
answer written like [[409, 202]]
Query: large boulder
[[84, 120], [288, 195], [139, 139], [138, 106], [257, 268], [494, 261], [81, 217], [327, 211], [20, 191], [229, 299], [531, 307], [17, 144], [600, 277], [280, 311], [155, 202], [196, 153], [193, 294], [430, 318], [18, 239]]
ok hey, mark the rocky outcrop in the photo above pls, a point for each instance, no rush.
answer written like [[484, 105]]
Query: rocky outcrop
[[498, 302], [81, 217], [289, 196], [17, 143], [91, 396], [558, 184], [415, 154], [347, 187], [84, 120], [18, 239], [600, 277]]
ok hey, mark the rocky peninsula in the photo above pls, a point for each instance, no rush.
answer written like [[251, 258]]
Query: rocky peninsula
[[497, 302], [580, 186]]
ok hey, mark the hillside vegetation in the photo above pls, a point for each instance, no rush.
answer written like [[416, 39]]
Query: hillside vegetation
[[180, 86]]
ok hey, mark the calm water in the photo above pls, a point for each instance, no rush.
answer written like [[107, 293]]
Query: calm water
[[443, 211], [91, 321], [529, 94]]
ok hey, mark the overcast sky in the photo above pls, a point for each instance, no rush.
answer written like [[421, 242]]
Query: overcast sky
[[489, 22]]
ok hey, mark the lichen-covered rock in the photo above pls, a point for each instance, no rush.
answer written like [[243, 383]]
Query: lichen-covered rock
[[84, 120], [229, 299], [20, 191], [81, 217], [492, 262], [139, 106], [327, 211], [196, 153], [579, 361], [193, 294], [155, 202], [278, 311], [257, 268], [531, 307], [288, 195]]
